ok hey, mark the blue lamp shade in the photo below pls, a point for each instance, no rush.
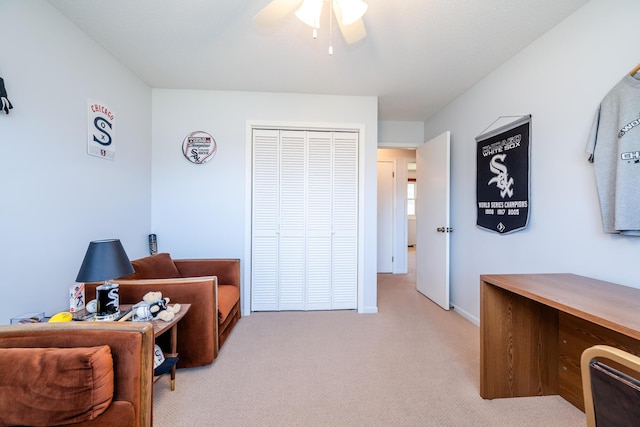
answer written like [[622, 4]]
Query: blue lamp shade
[[104, 260]]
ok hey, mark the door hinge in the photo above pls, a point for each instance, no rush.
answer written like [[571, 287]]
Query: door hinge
[[391, 259], [393, 174]]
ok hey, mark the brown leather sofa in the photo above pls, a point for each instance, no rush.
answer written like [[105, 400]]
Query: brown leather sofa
[[85, 373], [203, 283]]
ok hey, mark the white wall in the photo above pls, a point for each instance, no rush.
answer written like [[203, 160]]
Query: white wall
[[54, 197], [559, 79], [400, 134], [199, 210]]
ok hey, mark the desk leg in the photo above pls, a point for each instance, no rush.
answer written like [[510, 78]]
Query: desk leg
[[518, 345]]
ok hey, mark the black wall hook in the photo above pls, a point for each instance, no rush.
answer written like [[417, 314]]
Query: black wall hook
[[5, 104]]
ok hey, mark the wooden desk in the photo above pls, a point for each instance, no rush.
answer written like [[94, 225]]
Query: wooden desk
[[534, 328]]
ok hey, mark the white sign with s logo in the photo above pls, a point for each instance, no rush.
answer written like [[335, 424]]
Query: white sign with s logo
[[101, 126]]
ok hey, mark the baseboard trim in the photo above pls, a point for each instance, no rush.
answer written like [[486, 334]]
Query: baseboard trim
[[466, 315]]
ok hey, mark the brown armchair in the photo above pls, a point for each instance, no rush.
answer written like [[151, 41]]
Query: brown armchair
[[209, 285], [53, 349], [228, 293]]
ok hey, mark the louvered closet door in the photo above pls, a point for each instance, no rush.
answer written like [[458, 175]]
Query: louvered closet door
[[265, 213], [292, 220], [319, 220], [344, 256], [304, 220]]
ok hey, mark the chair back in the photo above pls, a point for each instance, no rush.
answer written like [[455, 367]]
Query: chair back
[[611, 397]]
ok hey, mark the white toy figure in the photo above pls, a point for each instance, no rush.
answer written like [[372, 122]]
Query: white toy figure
[[159, 307]]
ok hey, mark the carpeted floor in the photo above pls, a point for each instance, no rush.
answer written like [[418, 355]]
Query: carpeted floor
[[412, 364]]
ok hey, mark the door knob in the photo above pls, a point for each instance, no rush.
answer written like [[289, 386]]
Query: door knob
[[440, 229]]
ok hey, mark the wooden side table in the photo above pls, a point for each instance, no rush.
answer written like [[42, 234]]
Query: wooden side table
[[160, 327]]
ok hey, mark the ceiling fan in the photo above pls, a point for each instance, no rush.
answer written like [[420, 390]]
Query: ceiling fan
[[348, 14]]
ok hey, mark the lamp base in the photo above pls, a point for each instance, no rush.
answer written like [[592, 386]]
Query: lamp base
[[107, 317], [108, 301]]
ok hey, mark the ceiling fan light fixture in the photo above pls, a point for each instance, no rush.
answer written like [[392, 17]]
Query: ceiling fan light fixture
[[309, 12], [351, 10]]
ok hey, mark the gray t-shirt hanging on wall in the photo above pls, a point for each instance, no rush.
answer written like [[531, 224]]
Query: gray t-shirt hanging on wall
[[614, 149]]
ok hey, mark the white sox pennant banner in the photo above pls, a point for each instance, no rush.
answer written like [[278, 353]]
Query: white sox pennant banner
[[503, 177]]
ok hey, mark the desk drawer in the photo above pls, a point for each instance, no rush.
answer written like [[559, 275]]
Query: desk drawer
[[576, 335]]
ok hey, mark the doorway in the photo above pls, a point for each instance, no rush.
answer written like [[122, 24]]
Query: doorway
[[412, 191], [401, 158], [432, 187], [386, 204]]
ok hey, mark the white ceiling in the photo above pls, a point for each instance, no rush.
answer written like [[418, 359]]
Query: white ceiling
[[418, 55]]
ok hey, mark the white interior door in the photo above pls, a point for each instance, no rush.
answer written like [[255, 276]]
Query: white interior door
[[432, 219], [385, 217]]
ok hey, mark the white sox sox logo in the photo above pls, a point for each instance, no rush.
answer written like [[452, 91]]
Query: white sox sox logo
[[502, 179]]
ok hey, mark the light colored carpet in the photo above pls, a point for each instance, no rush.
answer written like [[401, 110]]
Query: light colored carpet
[[412, 364]]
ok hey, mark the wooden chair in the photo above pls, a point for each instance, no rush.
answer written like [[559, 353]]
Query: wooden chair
[[611, 397]]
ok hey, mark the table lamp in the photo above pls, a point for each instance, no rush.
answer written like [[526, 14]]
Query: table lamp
[[105, 260]]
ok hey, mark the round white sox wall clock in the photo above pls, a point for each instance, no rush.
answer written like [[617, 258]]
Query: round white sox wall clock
[[199, 147]]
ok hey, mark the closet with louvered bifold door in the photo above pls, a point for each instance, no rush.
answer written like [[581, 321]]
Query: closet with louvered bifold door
[[304, 220]]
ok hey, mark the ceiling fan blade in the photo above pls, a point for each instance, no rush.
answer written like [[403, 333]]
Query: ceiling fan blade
[[275, 11], [354, 32]]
